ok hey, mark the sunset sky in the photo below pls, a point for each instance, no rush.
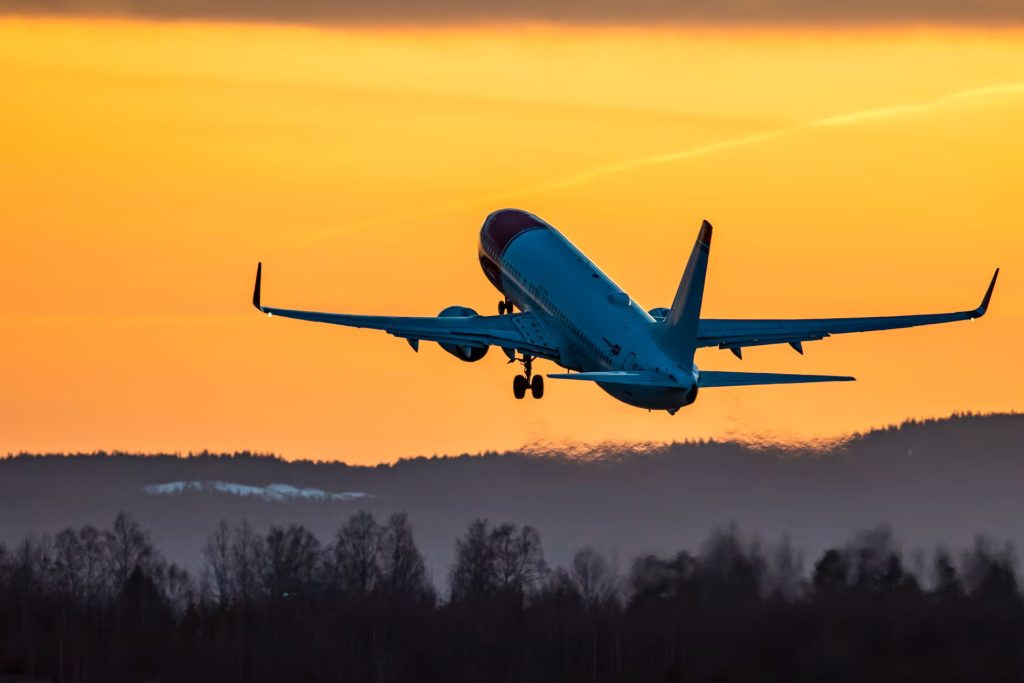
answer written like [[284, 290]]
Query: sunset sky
[[147, 164]]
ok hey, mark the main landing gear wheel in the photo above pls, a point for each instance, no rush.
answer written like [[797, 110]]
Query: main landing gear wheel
[[504, 307], [537, 386], [520, 383]]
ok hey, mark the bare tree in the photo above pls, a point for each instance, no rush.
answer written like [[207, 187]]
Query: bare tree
[[217, 553], [401, 563], [291, 562], [593, 578], [32, 564], [785, 571], [92, 565], [67, 562], [473, 574], [506, 559], [176, 588], [248, 552], [519, 558], [127, 548], [357, 553]]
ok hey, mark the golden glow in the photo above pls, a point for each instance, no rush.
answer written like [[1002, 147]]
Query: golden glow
[[146, 167]]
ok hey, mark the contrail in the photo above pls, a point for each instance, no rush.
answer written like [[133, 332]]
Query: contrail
[[850, 119], [588, 175]]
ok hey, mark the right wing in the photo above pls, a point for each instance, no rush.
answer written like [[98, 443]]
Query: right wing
[[713, 378], [705, 378], [736, 334], [517, 331]]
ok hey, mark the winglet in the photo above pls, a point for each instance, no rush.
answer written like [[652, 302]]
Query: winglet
[[256, 289], [980, 310]]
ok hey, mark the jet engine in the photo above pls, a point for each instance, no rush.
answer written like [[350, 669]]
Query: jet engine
[[469, 354]]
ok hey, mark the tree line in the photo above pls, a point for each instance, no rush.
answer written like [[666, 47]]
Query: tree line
[[89, 604]]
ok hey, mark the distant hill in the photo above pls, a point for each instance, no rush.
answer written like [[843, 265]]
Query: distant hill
[[938, 482]]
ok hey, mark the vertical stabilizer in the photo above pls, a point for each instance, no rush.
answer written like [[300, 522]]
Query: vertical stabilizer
[[678, 334]]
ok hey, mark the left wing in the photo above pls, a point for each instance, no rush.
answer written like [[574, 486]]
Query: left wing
[[735, 334], [520, 331]]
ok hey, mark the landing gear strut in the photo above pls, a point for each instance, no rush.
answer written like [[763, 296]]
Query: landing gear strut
[[520, 383]]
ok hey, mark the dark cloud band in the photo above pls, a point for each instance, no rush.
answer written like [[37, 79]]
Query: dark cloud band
[[584, 11]]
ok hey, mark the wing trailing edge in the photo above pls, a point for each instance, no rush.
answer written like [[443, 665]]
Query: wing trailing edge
[[712, 378]]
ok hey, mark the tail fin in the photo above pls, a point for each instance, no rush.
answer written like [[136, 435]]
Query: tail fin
[[678, 333]]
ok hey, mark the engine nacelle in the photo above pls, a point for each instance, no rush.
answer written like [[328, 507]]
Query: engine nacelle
[[469, 354]]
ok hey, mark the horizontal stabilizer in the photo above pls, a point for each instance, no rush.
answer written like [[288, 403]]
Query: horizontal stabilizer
[[635, 377], [710, 378]]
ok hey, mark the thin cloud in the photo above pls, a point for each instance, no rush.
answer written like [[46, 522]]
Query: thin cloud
[[577, 11], [855, 118], [850, 119]]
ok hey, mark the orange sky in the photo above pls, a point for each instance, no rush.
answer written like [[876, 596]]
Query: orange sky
[[146, 167]]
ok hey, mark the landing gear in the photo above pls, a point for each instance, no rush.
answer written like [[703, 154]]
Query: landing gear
[[527, 381], [537, 386], [505, 306]]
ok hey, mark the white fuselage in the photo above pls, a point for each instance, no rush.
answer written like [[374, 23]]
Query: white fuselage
[[596, 325]]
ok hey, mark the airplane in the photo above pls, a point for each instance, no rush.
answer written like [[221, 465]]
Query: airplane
[[574, 315]]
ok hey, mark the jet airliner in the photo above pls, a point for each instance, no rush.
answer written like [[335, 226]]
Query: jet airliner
[[574, 315]]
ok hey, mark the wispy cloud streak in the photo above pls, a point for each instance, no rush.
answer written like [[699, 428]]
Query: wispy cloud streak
[[855, 118]]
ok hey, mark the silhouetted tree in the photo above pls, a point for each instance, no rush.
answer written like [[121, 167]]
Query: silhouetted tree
[[592, 577], [218, 556], [357, 553], [948, 585], [736, 610], [518, 559], [830, 573], [291, 561], [402, 569], [248, 557], [128, 548], [474, 573]]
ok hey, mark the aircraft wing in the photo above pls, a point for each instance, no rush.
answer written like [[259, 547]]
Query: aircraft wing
[[520, 331], [706, 378], [736, 334]]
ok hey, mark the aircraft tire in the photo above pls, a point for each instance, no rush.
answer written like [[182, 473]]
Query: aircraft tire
[[519, 386], [537, 386]]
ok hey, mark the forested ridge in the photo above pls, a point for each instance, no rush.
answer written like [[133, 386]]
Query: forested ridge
[[937, 482], [281, 604]]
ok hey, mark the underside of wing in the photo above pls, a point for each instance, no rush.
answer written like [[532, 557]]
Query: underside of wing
[[736, 334], [519, 331], [712, 378], [633, 377]]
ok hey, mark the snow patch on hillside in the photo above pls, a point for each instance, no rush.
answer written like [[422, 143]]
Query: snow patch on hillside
[[273, 492]]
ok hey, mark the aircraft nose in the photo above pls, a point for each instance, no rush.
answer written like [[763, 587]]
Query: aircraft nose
[[504, 225]]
